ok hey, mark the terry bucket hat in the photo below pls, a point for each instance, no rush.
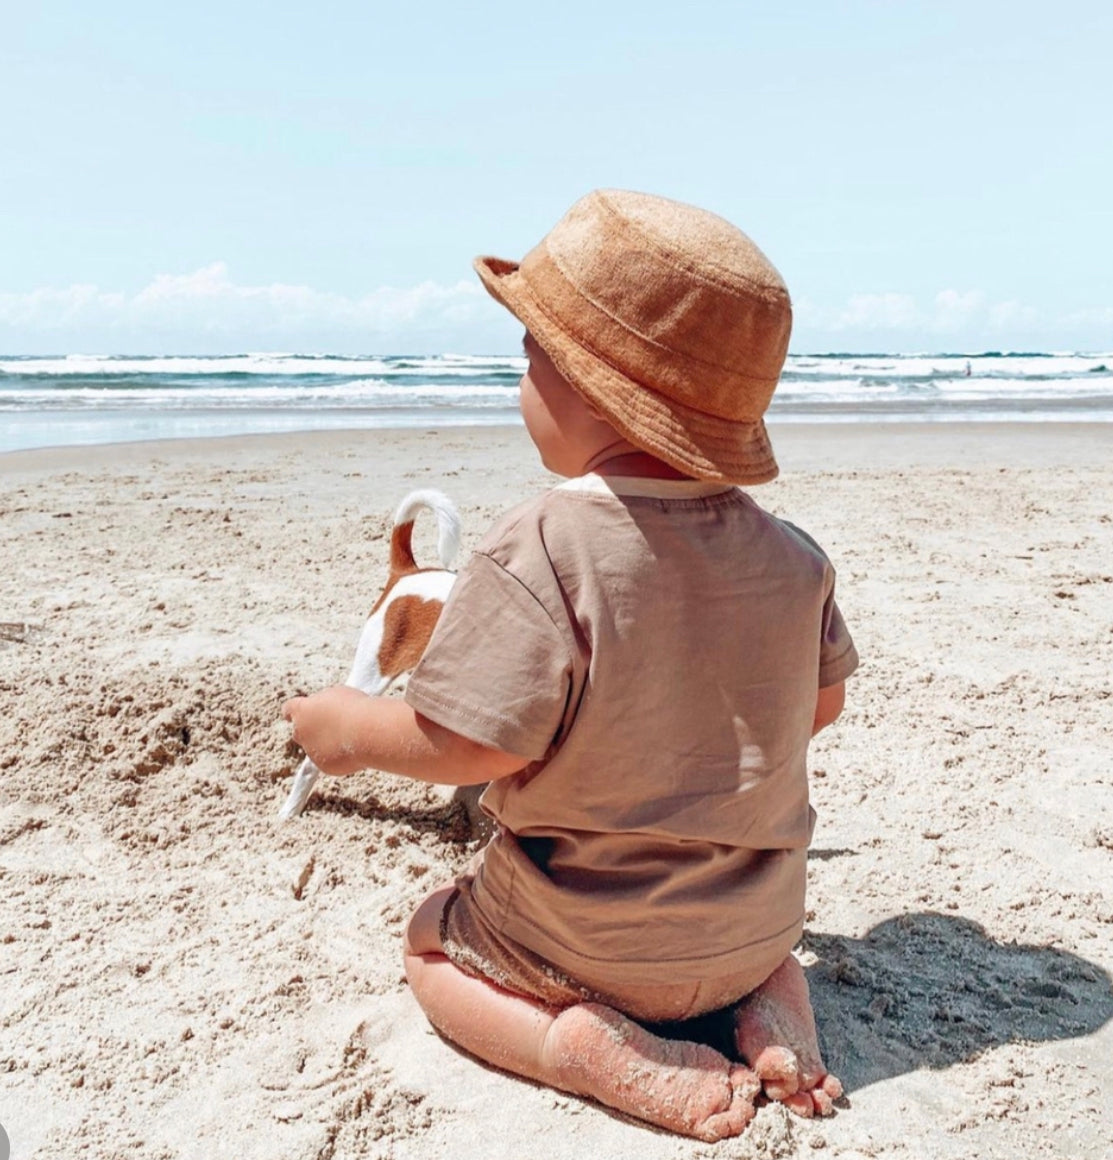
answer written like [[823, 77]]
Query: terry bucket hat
[[667, 319]]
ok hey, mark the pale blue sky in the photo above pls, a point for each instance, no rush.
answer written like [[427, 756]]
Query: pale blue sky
[[235, 176]]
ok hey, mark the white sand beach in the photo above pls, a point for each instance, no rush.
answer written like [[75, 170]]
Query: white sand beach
[[180, 976]]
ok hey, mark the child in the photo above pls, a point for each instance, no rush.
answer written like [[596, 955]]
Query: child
[[636, 662]]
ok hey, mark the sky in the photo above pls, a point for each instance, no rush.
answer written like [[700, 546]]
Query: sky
[[242, 176]]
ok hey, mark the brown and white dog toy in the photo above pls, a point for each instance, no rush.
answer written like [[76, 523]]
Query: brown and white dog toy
[[403, 619]]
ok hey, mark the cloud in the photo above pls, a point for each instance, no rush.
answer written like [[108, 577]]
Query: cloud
[[206, 310], [956, 309], [949, 310], [1100, 317], [1003, 315], [951, 319], [884, 311]]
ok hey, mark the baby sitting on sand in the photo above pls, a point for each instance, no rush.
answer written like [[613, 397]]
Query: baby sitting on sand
[[636, 661]]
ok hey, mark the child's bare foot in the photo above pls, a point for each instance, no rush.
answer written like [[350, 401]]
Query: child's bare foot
[[774, 1030], [685, 1087]]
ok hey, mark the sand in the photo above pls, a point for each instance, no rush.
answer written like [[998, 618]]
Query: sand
[[182, 977]]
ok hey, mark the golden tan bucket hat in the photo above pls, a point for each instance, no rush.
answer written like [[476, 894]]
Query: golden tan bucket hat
[[666, 318]]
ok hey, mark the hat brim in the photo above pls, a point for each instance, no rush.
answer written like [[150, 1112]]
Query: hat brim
[[700, 445]]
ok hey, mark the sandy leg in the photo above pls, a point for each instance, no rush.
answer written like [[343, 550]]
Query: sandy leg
[[774, 1031], [589, 1049], [686, 1087]]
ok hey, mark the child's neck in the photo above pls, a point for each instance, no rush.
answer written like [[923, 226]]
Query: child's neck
[[632, 463]]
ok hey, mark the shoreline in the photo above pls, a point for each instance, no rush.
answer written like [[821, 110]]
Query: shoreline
[[799, 446]]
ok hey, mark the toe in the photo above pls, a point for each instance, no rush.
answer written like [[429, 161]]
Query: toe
[[779, 1072], [811, 1074], [802, 1104], [832, 1086], [731, 1122], [722, 1126], [746, 1085], [822, 1102]]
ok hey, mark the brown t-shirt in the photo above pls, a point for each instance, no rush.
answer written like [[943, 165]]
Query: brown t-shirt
[[655, 648]]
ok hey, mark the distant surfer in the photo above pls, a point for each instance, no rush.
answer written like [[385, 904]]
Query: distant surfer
[[967, 371]]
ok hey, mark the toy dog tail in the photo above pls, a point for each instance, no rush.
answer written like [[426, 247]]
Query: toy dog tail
[[401, 538]]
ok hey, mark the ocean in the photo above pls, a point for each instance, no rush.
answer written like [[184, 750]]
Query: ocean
[[90, 399]]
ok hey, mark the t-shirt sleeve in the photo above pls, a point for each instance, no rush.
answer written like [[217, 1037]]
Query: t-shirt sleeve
[[838, 657], [497, 669]]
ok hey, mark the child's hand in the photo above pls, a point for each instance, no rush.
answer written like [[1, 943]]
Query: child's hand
[[324, 726]]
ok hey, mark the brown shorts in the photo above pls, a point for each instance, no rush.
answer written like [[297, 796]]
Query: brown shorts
[[473, 945]]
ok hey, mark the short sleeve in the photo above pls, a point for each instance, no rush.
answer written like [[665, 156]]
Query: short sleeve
[[838, 657], [497, 669]]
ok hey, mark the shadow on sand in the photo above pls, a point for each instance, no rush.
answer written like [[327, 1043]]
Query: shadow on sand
[[931, 990], [457, 819]]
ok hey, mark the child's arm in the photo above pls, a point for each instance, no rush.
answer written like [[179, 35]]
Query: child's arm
[[828, 706], [343, 730]]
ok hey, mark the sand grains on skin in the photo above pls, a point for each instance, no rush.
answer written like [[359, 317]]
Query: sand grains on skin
[[685, 1087], [775, 1033]]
